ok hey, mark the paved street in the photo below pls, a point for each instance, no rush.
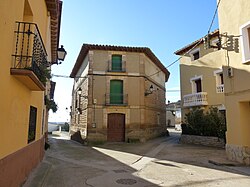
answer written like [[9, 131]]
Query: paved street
[[159, 162]]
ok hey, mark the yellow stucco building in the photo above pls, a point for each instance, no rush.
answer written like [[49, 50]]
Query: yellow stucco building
[[29, 35], [221, 77], [201, 76], [234, 24], [118, 94]]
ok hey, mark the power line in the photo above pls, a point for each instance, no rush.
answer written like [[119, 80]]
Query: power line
[[197, 43], [172, 90], [65, 76], [62, 76], [214, 17]]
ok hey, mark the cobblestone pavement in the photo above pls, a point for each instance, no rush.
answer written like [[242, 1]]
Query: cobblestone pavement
[[159, 162]]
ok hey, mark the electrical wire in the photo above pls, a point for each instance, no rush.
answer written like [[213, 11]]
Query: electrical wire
[[178, 58], [65, 76], [216, 10], [214, 16]]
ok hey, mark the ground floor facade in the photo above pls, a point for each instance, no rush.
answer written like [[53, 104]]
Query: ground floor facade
[[120, 124], [238, 127], [16, 167]]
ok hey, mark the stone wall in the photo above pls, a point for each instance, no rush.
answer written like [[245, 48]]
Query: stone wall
[[202, 140], [238, 153]]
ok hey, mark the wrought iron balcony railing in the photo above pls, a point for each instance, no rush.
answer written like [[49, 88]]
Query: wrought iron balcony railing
[[196, 99], [30, 53], [116, 99]]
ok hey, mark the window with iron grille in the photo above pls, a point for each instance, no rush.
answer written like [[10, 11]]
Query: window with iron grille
[[32, 124]]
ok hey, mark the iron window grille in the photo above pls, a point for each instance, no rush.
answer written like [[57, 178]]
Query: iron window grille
[[116, 99]]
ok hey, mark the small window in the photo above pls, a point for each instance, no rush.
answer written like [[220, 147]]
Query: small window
[[196, 55], [32, 124], [245, 32], [116, 63]]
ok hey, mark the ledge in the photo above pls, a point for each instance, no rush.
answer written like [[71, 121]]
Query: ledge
[[28, 78]]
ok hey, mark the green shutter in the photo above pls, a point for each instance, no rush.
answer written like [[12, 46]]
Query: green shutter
[[116, 92], [116, 63]]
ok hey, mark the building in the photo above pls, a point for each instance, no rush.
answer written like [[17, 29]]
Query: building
[[234, 24], [173, 113], [29, 36], [201, 75], [118, 94]]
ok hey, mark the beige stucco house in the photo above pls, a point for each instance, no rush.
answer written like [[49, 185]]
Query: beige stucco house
[[201, 75], [234, 24], [173, 113], [118, 94], [221, 77]]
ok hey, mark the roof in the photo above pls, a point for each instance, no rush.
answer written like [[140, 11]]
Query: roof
[[86, 47], [55, 9], [190, 46]]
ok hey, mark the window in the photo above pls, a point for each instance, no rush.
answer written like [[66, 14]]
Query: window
[[219, 81], [116, 92], [245, 32], [116, 63], [32, 124], [195, 54], [196, 83]]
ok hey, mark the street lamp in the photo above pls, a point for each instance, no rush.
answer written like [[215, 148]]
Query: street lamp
[[79, 91], [61, 53], [150, 90]]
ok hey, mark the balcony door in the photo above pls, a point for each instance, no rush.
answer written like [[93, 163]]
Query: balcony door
[[116, 92], [198, 85], [116, 63]]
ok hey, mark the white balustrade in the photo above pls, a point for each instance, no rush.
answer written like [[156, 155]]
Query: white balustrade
[[196, 99], [220, 88]]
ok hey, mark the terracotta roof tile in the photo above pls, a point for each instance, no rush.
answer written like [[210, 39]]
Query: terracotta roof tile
[[189, 46], [145, 50]]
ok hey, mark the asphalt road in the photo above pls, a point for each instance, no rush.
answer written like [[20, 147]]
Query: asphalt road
[[159, 162]]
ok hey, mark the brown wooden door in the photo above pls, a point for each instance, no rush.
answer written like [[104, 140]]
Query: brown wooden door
[[116, 128]]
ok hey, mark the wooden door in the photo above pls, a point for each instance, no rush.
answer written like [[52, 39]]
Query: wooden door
[[116, 128]]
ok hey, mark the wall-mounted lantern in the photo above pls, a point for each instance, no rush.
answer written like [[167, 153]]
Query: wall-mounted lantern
[[61, 54], [79, 91], [149, 91]]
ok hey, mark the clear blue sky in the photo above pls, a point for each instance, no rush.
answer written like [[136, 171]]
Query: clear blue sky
[[162, 25]]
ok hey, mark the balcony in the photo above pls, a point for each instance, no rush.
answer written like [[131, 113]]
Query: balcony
[[220, 88], [196, 99], [116, 66], [30, 65], [116, 99]]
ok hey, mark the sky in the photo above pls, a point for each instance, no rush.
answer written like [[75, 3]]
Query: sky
[[162, 25]]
